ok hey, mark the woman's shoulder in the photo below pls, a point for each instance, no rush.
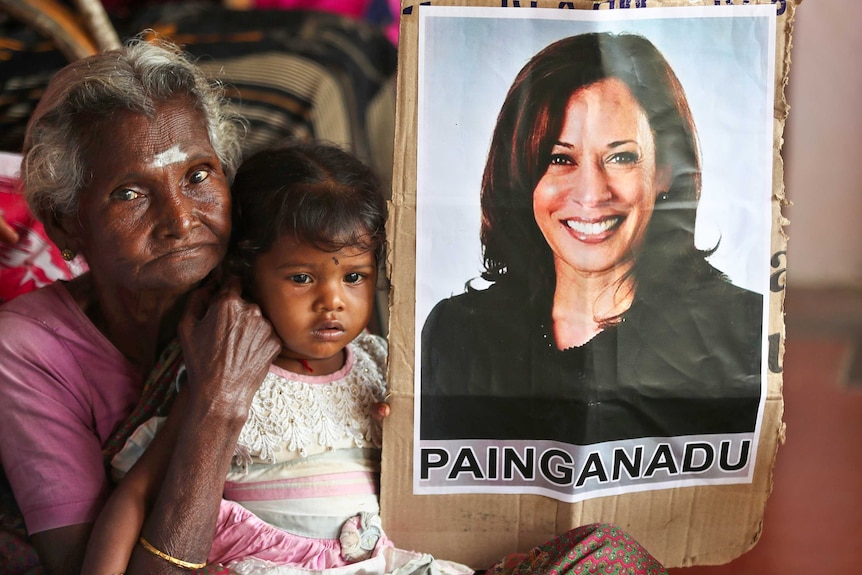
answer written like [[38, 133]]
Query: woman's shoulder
[[490, 325], [721, 294], [45, 331], [474, 305], [38, 303], [715, 309], [705, 287], [48, 312]]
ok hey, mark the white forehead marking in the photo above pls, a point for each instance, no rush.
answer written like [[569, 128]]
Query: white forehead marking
[[171, 156]]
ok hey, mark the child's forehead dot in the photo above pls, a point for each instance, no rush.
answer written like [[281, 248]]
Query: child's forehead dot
[[335, 260]]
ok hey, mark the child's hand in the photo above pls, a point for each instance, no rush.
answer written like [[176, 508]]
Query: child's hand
[[380, 410]]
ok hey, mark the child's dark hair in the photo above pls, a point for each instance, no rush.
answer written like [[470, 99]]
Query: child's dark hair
[[318, 193]]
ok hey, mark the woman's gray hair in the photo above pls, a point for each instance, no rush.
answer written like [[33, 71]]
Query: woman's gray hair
[[136, 77]]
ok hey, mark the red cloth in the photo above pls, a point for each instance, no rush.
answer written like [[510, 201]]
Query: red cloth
[[34, 261]]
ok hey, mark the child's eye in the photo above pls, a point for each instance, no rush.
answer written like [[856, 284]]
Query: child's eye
[[354, 278], [125, 195], [199, 176], [300, 278]]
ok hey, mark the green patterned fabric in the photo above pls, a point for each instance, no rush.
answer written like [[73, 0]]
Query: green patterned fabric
[[595, 548]]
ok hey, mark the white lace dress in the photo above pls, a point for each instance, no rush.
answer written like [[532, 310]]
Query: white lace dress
[[302, 494], [308, 458]]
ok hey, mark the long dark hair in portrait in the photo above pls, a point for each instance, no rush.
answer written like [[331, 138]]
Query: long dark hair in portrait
[[514, 250]]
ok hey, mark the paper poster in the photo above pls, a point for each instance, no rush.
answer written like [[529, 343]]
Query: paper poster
[[593, 228]]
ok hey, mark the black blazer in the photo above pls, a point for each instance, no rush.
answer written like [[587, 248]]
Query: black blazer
[[686, 363]]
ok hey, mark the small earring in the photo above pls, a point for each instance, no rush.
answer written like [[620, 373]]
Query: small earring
[[68, 254], [663, 197]]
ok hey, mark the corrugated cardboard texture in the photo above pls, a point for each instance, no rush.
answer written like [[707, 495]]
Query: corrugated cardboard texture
[[681, 527]]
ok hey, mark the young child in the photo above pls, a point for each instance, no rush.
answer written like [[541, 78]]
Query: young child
[[308, 239]]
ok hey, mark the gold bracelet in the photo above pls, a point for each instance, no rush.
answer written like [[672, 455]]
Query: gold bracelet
[[172, 560]]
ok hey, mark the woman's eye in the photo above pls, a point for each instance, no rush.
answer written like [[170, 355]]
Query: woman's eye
[[125, 195], [300, 278], [560, 160], [199, 176], [624, 158], [354, 278]]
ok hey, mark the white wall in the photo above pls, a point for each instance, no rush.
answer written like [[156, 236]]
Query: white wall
[[823, 146]]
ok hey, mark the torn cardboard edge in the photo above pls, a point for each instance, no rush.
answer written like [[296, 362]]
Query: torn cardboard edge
[[680, 526]]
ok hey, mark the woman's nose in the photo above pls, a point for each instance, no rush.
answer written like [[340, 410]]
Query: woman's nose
[[592, 184], [177, 215]]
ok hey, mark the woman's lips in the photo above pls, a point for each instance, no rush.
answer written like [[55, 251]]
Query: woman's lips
[[184, 252], [593, 230]]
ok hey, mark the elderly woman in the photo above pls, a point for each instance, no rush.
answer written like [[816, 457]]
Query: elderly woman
[[604, 321], [127, 161]]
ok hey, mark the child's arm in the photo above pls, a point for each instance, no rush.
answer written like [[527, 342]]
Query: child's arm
[[118, 527]]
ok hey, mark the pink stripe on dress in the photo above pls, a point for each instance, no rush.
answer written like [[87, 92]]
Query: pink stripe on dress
[[333, 484]]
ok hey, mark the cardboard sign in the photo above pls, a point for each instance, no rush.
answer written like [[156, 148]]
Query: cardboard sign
[[586, 257]]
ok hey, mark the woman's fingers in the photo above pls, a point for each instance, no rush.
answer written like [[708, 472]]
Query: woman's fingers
[[7, 232], [227, 343]]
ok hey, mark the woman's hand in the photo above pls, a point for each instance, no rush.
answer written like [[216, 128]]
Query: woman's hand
[[228, 346], [7, 232]]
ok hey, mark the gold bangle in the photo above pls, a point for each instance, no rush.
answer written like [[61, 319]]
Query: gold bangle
[[172, 560]]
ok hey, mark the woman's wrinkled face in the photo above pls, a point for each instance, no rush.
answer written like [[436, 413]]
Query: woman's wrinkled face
[[155, 214], [597, 195]]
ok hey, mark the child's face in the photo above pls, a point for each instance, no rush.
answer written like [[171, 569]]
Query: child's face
[[318, 301]]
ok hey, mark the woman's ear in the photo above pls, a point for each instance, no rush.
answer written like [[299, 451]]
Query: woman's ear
[[64, 230], [663, 178]]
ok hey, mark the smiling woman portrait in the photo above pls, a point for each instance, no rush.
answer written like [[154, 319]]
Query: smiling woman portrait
[[604, 321]]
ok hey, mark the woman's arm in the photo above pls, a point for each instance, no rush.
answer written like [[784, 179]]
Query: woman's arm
[[116, 531], [49, 433], [227, 351]]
